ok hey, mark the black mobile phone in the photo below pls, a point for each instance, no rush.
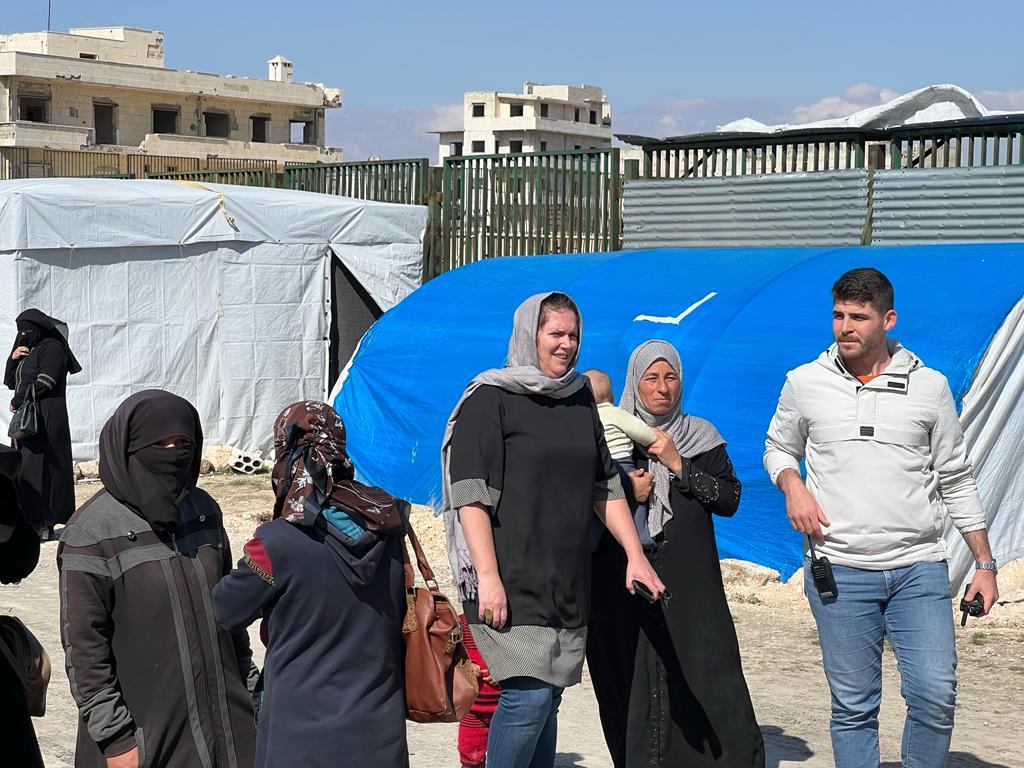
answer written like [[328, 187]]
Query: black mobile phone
[[969, 607], [639, 588]]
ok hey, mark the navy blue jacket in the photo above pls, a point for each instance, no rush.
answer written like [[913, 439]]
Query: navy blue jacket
[[332, 609]]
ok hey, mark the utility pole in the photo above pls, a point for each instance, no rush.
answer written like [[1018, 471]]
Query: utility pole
[[49, 3]]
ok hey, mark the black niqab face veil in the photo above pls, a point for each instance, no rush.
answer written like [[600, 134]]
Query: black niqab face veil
[[33, 327], [136, 467]]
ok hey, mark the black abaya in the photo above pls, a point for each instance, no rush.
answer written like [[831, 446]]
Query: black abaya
[[46, 485], [668, 677]]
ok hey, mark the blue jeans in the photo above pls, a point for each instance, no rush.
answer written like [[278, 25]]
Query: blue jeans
[[911, 607], [524, 728]]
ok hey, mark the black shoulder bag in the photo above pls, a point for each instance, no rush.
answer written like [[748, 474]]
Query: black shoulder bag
[[25, 422]]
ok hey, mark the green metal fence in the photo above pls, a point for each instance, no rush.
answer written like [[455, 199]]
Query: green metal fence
[[517, 204], [388, 181], [986, 141], [246, 177]]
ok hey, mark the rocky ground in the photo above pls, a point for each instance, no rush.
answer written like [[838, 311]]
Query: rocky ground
[[782, 661]]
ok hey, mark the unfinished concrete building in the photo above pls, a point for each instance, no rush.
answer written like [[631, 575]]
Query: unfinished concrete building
[[106, 90], [543, 118]]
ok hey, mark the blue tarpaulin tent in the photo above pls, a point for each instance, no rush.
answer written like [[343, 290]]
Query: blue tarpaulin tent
[[741, 318]]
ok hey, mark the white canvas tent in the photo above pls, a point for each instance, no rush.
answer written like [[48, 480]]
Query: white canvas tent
[[221, 294]]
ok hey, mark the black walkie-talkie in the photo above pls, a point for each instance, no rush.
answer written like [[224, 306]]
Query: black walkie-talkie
[[821, 572]]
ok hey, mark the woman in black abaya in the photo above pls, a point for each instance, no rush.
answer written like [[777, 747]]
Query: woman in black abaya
[[668, 676], [40, 362]]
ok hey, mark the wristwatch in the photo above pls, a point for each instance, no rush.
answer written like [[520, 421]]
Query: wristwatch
[[986, 565]]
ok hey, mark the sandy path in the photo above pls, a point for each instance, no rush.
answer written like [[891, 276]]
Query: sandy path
[[777, 637]]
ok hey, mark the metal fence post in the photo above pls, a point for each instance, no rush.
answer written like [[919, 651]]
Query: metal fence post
[[615, 203]]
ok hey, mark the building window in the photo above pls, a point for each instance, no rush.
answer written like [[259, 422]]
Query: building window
[[87, 56], [478, 147], [104, 123], [576, 115], [543, 146], [455, 149], [34, 109], [516, 110], [218, 125], [543, 110], [165, 120], [301, 132], [576, 146], [478, 110], [260, 128], [593, 117], [515, 147]]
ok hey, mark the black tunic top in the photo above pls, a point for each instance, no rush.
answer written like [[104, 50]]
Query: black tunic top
[[668, 677], [538, 464], [46, 485]]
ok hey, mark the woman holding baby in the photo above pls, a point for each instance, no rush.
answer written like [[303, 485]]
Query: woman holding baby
[[667, 673]]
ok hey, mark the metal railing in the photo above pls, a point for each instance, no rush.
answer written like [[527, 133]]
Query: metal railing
[[388, 181], [31, 162], [246, 177], [518, 204], [988, 141]]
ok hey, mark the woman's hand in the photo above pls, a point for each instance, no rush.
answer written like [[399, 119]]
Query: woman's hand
[[19, 353], [642, 482], [639, 569], [491, 601], [664, 450], [129, 759]]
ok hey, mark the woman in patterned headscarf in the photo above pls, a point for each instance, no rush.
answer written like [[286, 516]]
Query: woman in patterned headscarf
[[525, 468], [325, 574], [667, 675]]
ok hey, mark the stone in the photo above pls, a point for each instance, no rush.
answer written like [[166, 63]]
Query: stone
[[219, 456], [206, 467], [90, 469], [742, 574], [77, 471]]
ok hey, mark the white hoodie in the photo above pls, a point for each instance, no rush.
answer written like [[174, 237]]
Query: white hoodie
[[885, 460]]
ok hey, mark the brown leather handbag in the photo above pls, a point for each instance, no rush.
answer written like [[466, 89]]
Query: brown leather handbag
[[440, 681]]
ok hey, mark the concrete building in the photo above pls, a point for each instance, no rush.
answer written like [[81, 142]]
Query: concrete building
[[107, 89], [543, 118]]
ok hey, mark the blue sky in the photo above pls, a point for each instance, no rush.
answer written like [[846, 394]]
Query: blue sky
[[667, 67]]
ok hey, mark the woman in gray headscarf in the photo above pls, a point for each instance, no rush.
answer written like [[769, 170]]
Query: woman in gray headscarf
[[525, 468], [667, 675]]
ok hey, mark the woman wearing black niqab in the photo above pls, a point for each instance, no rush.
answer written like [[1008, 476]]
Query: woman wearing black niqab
[[41, 361], [137, 566]]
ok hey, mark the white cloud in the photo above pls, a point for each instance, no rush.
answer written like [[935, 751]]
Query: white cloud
[[390, 132], [853, 99], [1009, 101]]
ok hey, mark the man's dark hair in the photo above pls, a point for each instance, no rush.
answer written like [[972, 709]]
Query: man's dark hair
[[865, 285]]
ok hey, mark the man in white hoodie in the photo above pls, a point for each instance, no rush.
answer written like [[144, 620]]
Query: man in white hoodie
[[886, 463]]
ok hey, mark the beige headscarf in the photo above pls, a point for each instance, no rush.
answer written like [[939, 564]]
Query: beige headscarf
[[691, 435], [521, 375]]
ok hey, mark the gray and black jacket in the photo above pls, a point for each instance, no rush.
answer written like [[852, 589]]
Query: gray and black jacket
[[147, 662]]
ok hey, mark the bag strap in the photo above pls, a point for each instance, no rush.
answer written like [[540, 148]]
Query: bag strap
[[421, 562]]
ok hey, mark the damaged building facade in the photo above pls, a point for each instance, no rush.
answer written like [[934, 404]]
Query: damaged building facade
[[107, 90]]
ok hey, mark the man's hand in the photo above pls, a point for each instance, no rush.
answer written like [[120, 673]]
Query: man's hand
[[984, 582], [491, 601], [642, 482], [129, 759], [664, 450], [19, 353], [805, 514], [639, 569]]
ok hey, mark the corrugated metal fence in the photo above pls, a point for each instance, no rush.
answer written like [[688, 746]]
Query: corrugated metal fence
[[948, 205], [827, 208], [821, 208]]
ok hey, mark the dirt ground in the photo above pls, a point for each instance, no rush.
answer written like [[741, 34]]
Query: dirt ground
[[782, 661]]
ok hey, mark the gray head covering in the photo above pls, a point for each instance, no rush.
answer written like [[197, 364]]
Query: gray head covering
[[691, 435], [520, 376]]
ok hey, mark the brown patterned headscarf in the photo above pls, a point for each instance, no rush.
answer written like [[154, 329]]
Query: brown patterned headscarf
[[312, 470]]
